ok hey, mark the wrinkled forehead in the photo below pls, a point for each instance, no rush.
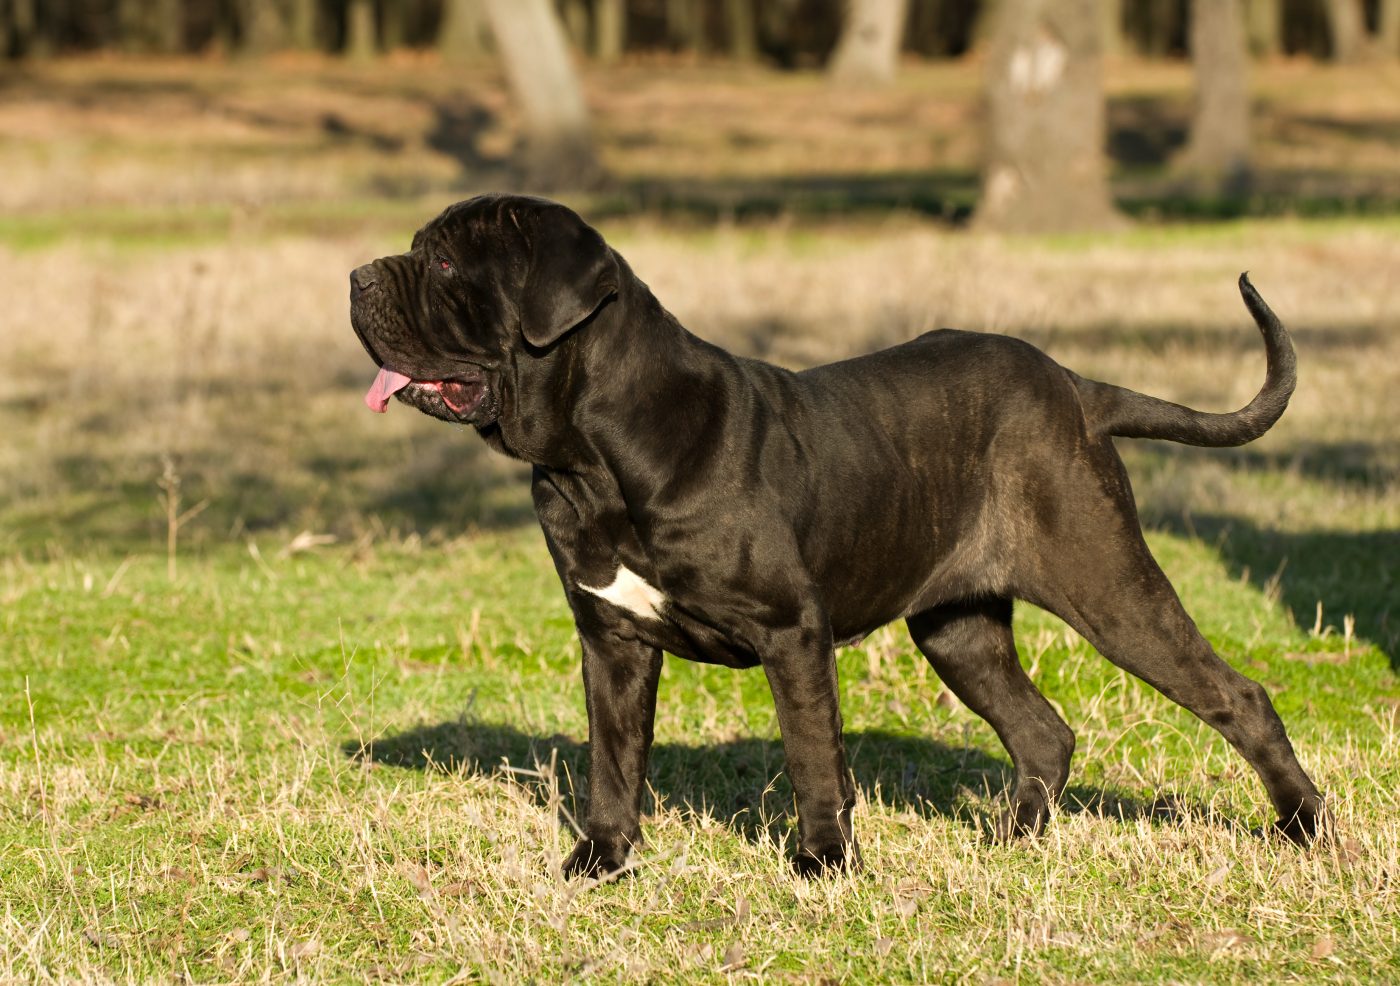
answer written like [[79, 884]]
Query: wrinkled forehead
[[469, 221]]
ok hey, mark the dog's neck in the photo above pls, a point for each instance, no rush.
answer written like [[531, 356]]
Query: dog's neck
[[644, 352]]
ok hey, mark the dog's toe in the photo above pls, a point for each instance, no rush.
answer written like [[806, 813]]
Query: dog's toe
[[594, 859], [811, 865]]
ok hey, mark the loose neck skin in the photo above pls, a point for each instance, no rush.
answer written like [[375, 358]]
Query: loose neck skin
[[620, 369]]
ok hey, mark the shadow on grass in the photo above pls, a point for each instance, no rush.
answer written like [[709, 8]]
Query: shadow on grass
[[1349, 572], [740, 781]]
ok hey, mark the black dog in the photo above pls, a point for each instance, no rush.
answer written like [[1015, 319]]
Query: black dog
[[729, 511]]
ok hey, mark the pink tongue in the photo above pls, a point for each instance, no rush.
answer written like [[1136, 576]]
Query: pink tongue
[[386, 385]]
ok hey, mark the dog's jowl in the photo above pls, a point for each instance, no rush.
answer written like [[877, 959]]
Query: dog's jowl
[[726, 510]]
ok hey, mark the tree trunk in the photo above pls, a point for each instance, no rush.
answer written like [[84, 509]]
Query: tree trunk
[[262, 26], [609, 30], [1347, 23], [132, 26], [1388, 32], [392, 18], [169, 27], [576, 23], [1112, 30], [1218, 150], [1265, 19], [741, 29], [24, 29], [868, 50], [303, 24], [685, 25], [556, 144], [464, 33], [1045, 168], [360, 41]]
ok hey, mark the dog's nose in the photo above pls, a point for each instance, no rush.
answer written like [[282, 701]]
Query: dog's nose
[[363, 278]]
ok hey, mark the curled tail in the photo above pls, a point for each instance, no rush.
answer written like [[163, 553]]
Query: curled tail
[[1118, 411]]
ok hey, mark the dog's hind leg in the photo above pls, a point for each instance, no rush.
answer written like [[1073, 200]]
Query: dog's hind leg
[[1112, 591], [971, 648]]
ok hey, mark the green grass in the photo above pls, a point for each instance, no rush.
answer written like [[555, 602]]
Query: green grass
[[363, 760], [294, 764]]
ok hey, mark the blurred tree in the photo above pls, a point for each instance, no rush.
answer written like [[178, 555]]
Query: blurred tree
[[1347, 22], [1265, 20], [609, 30], [1045, 166], [1218, 149], [685, 25], [1388, 30], [576, 26], [741, 29], [868, 50], [168, 26], [557, 144], [24, 37], [303, 24], [1112, 29], [360, 35], [464, 34], [263, 26], [393, 21]]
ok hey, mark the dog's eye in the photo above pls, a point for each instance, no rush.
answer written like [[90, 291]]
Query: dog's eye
[[444, 263]]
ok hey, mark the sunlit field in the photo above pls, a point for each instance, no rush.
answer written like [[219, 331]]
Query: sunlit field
[[289, 689]]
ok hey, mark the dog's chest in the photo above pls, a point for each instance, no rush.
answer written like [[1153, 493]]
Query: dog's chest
[[630, 593]]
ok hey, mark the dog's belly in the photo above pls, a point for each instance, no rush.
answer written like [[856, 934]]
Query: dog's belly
[[695, 640]]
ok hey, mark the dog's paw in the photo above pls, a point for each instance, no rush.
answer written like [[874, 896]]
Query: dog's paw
[[594, 858], [843, 858], [1306, 826], [1019, 821]]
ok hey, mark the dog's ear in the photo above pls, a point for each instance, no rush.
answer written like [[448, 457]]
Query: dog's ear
[[572, 273]]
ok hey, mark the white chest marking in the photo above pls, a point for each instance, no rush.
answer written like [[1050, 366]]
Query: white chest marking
[[630, 591]]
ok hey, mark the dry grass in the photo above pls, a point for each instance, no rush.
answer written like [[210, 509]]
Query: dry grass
[[225, 773], [238, 359]]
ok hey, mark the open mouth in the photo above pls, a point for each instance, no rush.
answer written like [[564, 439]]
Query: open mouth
[[462, 396]]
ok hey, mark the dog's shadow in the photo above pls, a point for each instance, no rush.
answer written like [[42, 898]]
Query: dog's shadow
[[740, 782]]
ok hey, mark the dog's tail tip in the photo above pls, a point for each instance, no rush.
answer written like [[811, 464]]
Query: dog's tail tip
[[1125, 413]]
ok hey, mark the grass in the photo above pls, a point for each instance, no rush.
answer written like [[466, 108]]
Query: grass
[[347, 740], [361, 762]]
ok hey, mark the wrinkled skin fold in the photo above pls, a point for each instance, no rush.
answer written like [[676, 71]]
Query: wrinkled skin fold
[[726, 510]]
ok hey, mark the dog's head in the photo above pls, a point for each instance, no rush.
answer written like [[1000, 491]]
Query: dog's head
[[489, 282]]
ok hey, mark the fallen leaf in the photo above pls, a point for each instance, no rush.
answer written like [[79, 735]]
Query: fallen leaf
[[1217, 876], [733, 958], [883, 946], [1322, 948], [305, 949]]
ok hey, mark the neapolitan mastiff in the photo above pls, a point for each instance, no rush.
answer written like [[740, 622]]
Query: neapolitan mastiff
[[730, 511]]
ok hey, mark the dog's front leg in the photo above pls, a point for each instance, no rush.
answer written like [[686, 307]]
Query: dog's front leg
[[800, 662], [619, 680]]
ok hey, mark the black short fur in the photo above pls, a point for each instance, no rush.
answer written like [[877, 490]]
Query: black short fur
[[780, 514]]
